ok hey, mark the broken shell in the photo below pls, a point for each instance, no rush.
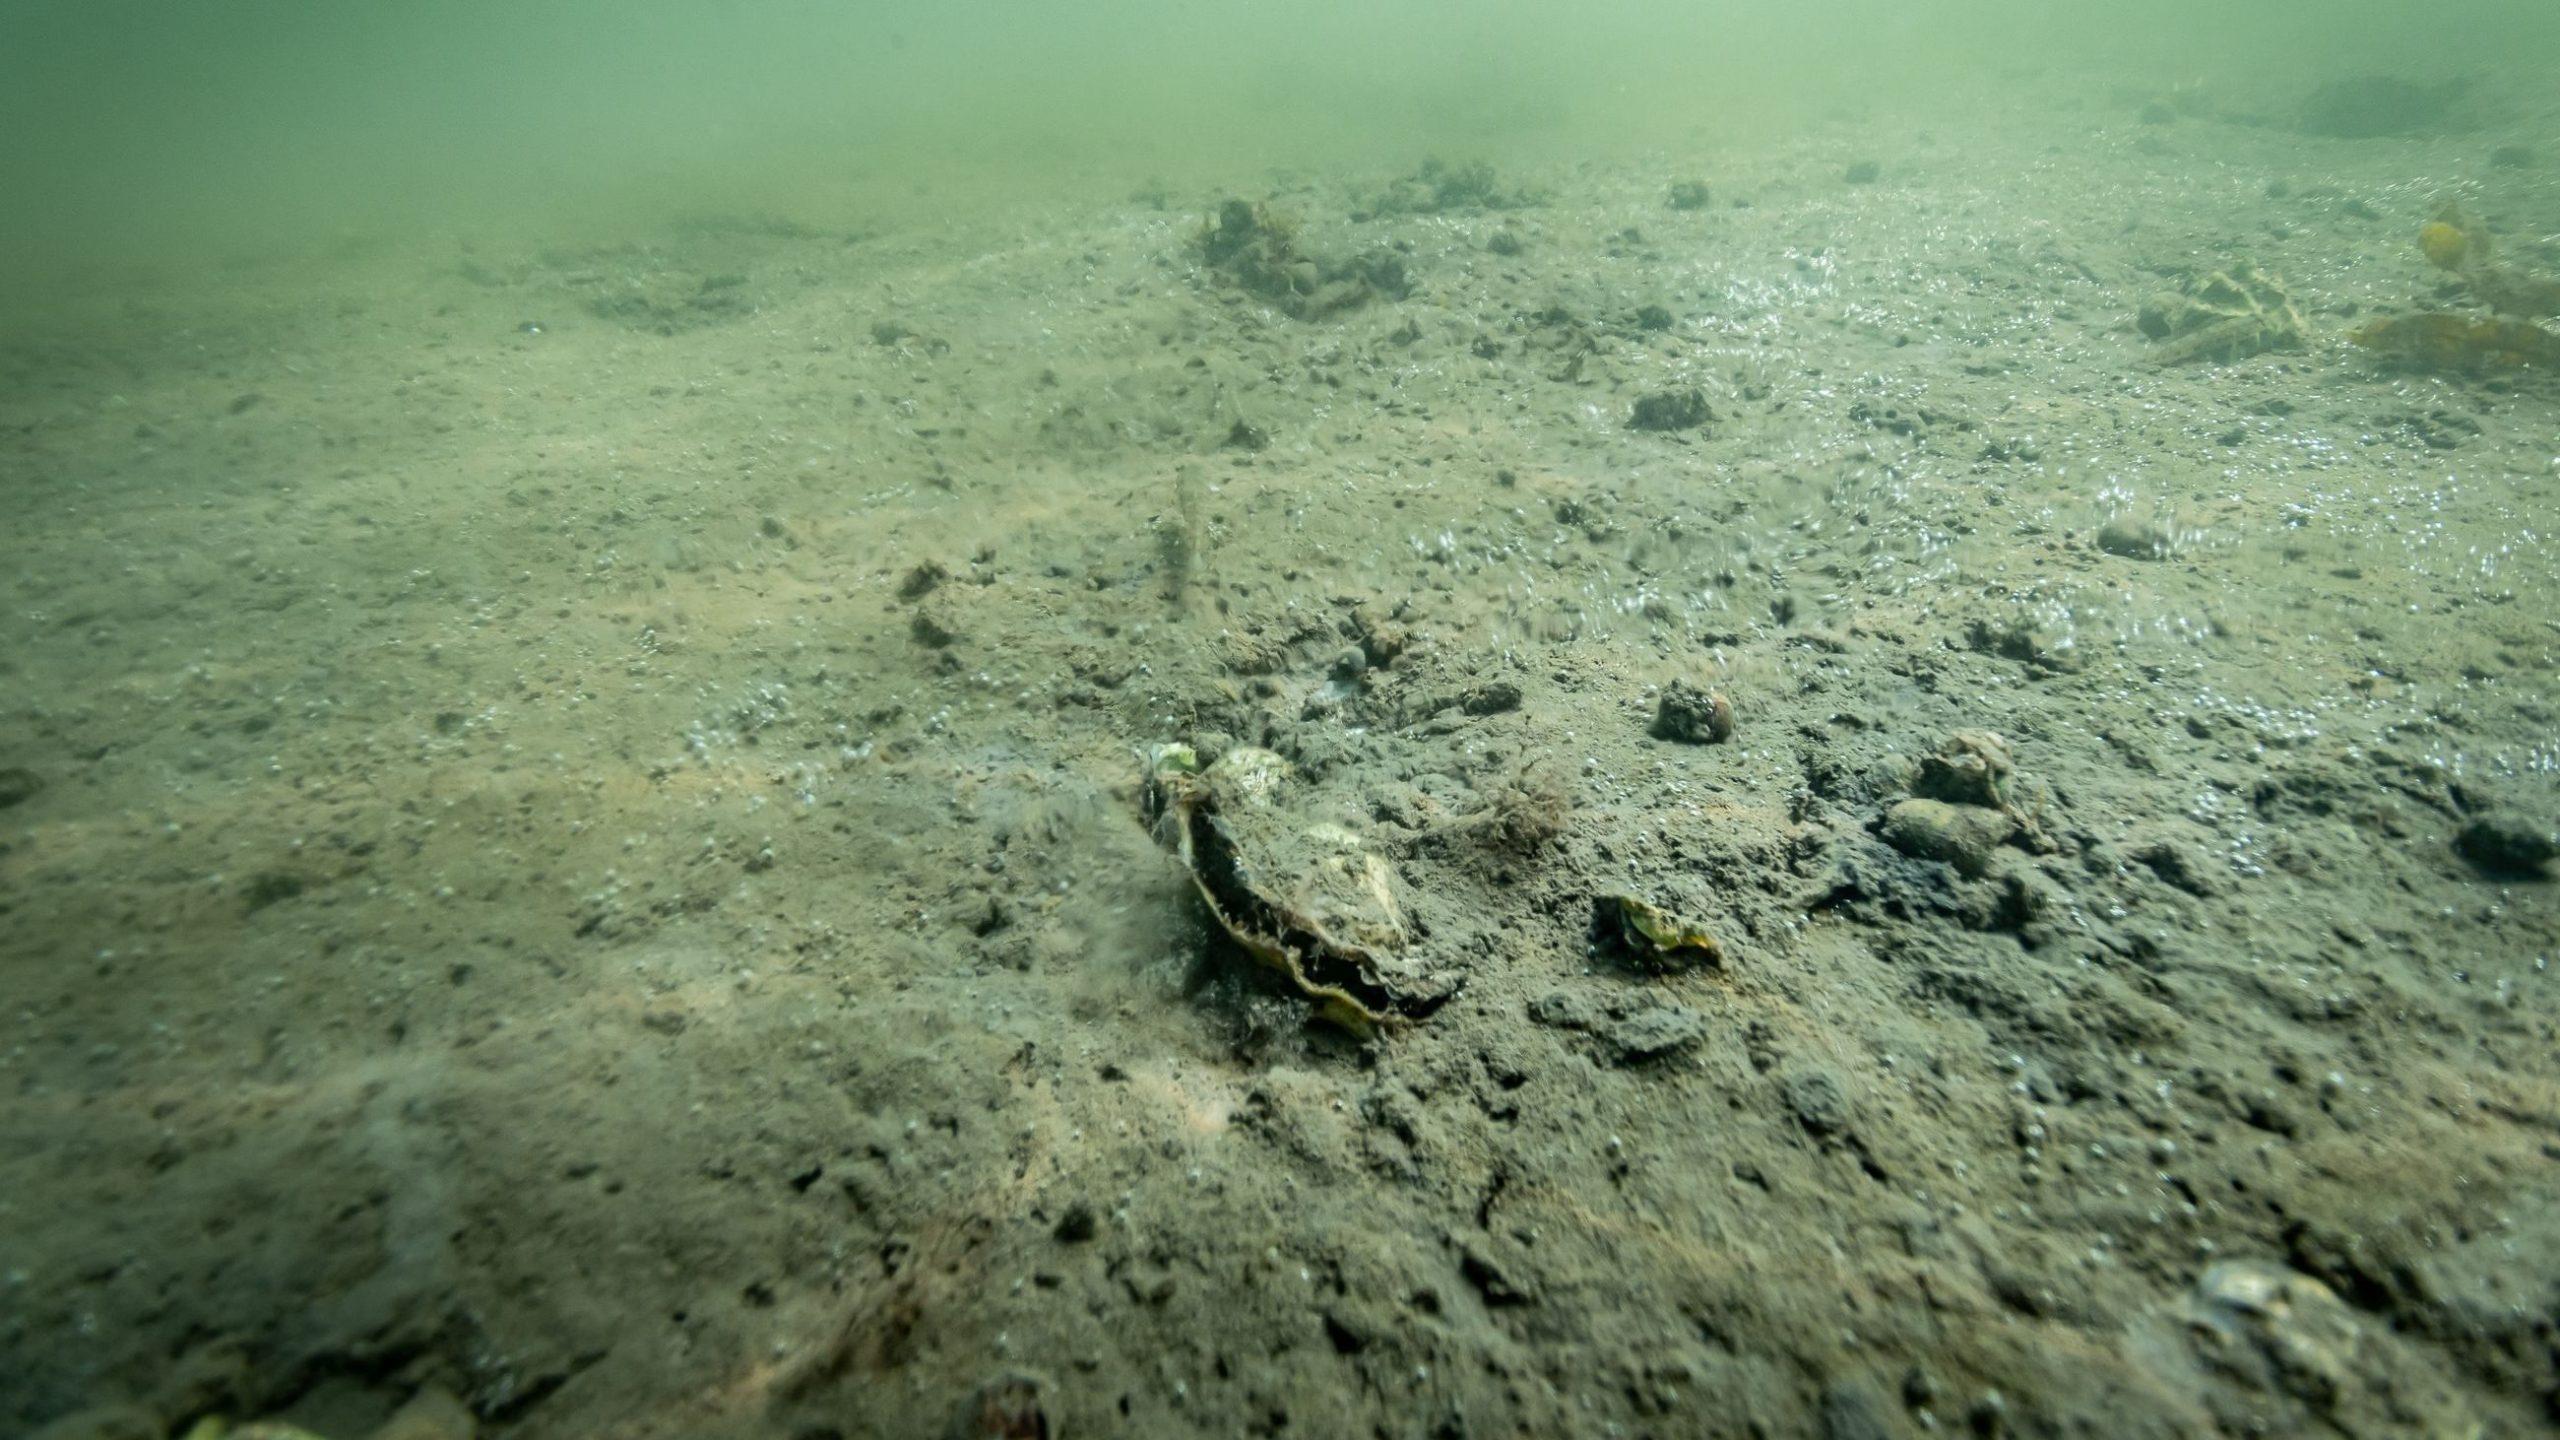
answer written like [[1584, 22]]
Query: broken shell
[[1645, 931]]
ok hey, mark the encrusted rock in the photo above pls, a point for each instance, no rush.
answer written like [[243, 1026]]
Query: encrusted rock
[[1692, 716]]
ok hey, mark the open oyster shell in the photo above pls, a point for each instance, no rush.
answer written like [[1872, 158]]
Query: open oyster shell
[[1307, 897]]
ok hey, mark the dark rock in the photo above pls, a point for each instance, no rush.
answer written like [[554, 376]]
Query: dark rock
[[1865, 172], [2134, 539], [18, 785], [1689, 195], [1670, 410], [2012, 636], [2505, 845]]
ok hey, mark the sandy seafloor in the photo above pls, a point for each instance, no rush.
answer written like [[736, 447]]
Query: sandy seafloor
[[506, 887]]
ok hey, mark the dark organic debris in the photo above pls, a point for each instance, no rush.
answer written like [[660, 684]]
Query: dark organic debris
[[1258, 252], [921, 581], [1436, 187]]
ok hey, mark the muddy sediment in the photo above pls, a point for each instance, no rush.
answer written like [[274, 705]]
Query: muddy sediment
[[574, 826]]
